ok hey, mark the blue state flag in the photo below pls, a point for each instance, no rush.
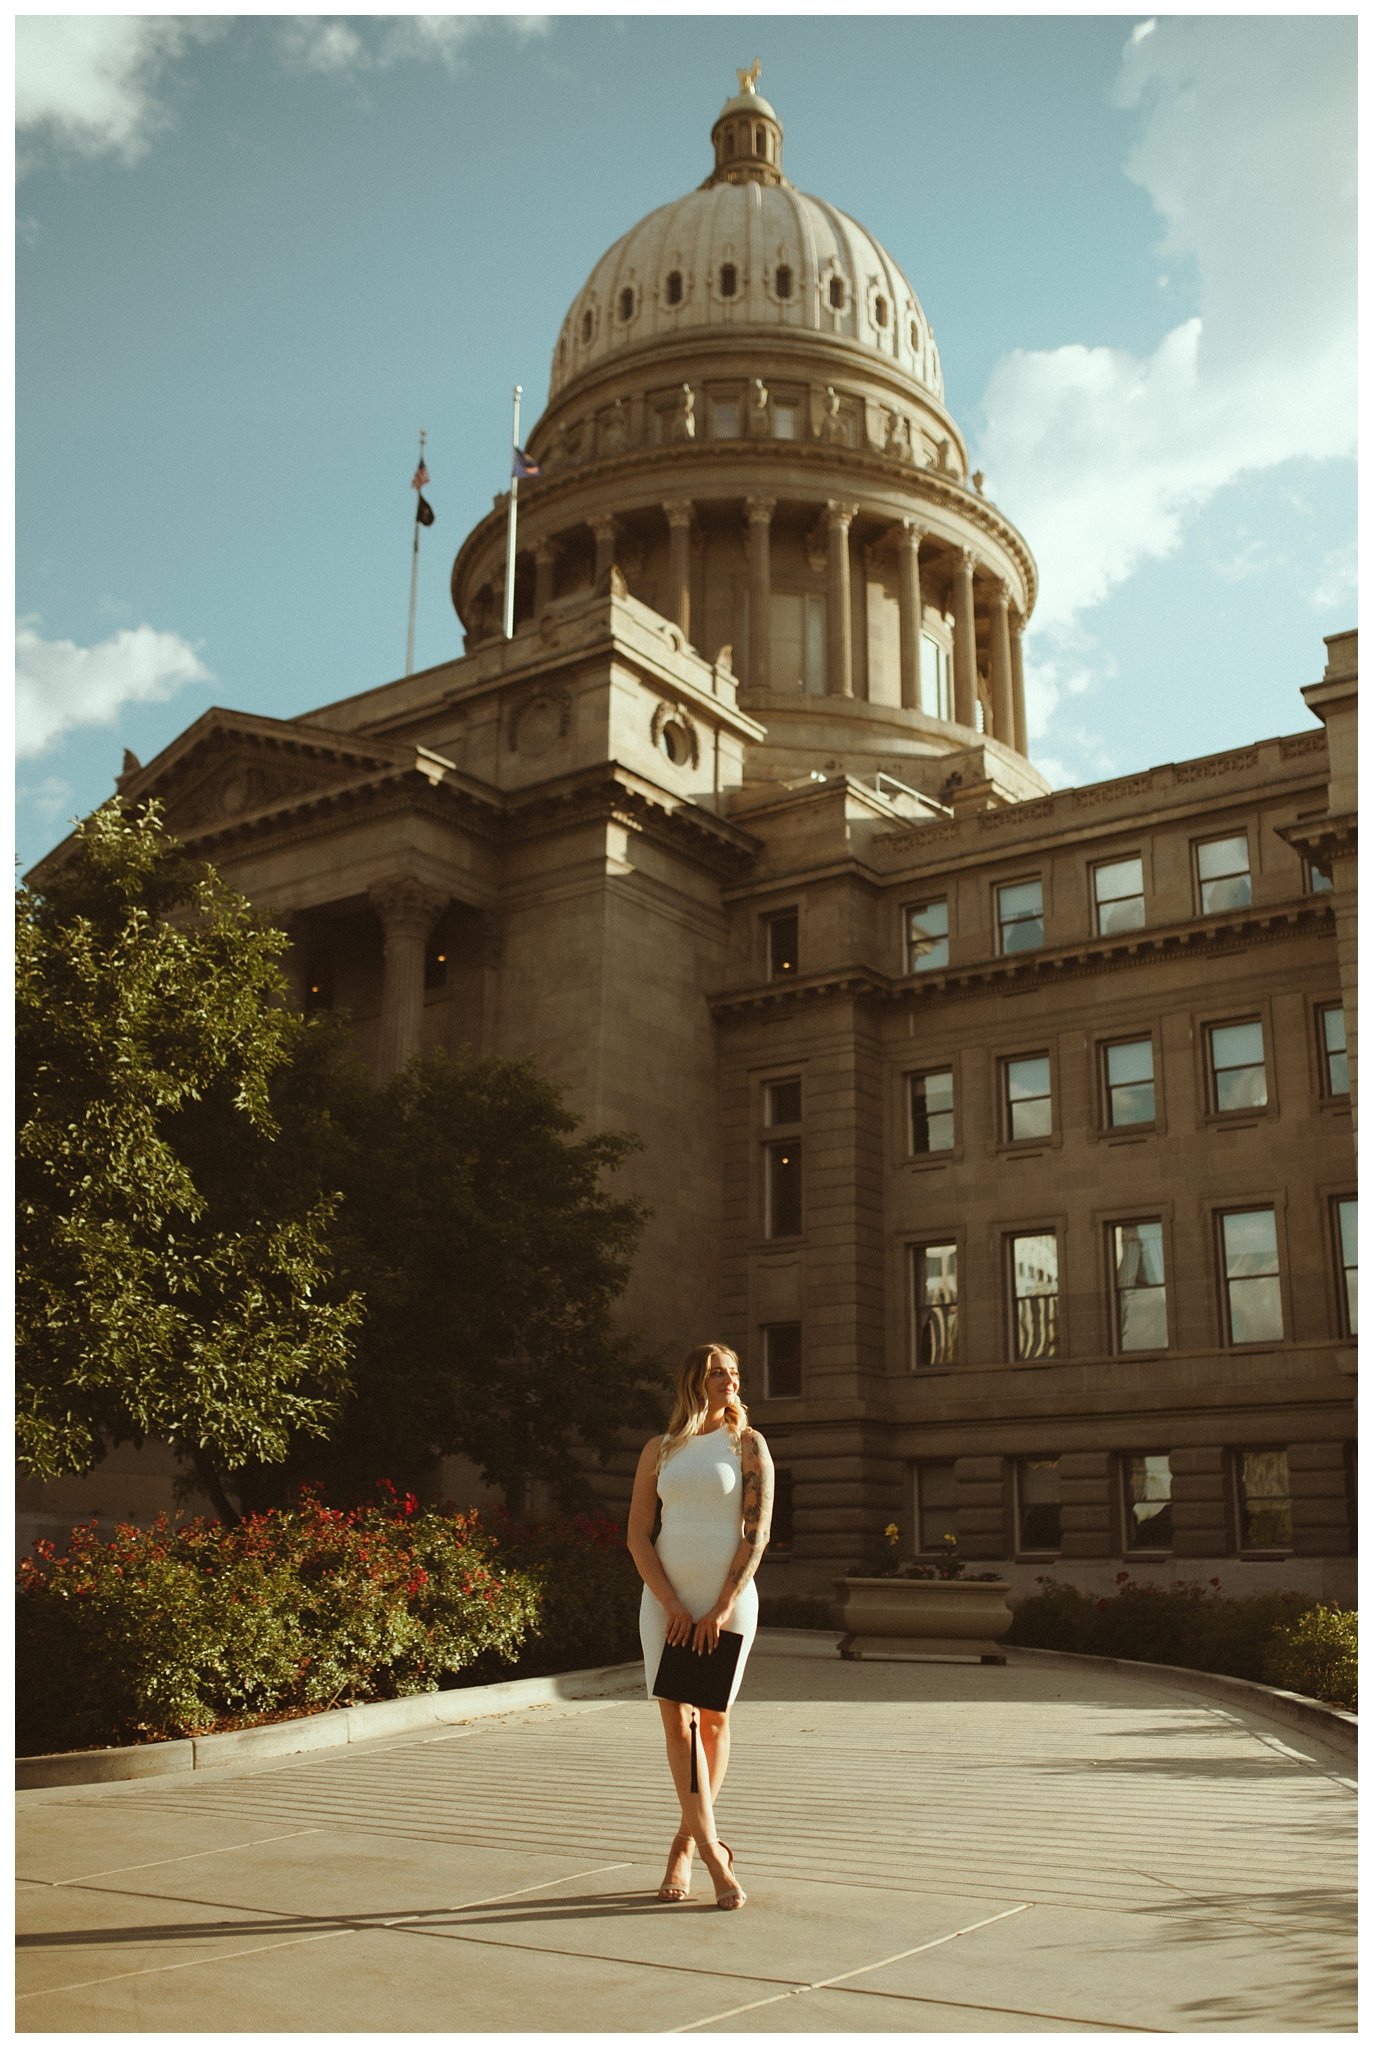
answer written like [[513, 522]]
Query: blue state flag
[[524, 464]]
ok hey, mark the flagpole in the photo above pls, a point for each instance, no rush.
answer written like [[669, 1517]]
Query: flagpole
[[510, 528], [414, 567]]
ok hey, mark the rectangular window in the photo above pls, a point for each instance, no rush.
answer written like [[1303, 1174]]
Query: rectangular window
[[1020, 916], [783, 1509], [1253, 1289], [1147, 1484], [934, 1288], [782, 1189], [1028, 1101], [782, 1361], [1263, 1500], [1316, 882], [799, 652], [724, 419], [927, 935], [782, 930], [1130, 1082], [1118, 895], [1334, 1051], [1034, 1282], [1038, 1520], [1141, 1298], [782, 1103], [1223, 874], [935, 1494], [1347, 1236], [785, 419], [1239, 1078], [932, 1111], [935, 680]]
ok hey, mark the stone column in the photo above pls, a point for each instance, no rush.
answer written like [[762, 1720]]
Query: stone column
[[603, 529], [911, 614], [760, 511], [407, 910], [838, 519], [1018, 685], [1003, 710], [678, 512], [545, 555], [964, 641]]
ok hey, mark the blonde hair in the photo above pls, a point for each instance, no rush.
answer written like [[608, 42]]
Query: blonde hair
[[690, 1406]]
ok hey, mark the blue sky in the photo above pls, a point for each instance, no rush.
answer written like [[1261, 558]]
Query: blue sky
[[256, 254]]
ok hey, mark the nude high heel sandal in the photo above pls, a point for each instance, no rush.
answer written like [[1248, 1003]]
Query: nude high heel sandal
[[673, 1894], [733, 1895]]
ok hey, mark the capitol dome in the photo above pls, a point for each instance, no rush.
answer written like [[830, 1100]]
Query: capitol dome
[[745, 251], [746, 431]]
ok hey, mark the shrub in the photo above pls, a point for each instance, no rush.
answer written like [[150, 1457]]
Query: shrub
[[796, 1610], [588, 1592], [1187, 1624], [182, 1629], [1317, 1654]]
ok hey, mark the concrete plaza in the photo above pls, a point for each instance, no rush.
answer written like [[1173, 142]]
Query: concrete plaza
[[928, 1848]]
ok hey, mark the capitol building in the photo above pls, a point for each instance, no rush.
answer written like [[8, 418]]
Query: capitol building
[[1005, 1131]]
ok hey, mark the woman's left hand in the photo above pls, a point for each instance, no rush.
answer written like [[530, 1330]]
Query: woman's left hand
[[706, 1634]]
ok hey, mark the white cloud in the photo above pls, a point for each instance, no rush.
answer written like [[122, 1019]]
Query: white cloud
[[1338, 582], [1246, 147], [334, 44], [59, 685], [51, 798], [90, 82]]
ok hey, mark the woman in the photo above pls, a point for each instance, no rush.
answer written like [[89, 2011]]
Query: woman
[[713, 1475]]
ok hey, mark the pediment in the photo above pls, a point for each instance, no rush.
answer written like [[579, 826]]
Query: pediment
[[230, 766]]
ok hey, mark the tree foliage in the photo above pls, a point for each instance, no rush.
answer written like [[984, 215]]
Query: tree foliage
[[171, 1282], [477, 1225]]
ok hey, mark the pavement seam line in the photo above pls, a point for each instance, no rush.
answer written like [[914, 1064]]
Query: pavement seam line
[[191, 1856], [829, 1983], [303, 1940]]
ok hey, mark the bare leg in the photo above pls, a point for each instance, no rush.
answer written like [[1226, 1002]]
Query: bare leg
[[715, 1740], [698, 1818]]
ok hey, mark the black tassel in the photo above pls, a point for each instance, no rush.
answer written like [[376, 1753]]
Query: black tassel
[[695, 1786]]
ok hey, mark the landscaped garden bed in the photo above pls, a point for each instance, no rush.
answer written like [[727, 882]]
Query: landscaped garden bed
[[200, 1627]]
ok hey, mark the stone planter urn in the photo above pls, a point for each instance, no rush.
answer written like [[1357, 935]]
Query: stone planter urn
[[906, 1620]]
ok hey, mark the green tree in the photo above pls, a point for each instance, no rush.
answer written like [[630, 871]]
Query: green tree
[[477, 1225], [172, 1282]]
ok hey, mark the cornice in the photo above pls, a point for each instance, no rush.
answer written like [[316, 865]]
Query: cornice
[[1210, 937]]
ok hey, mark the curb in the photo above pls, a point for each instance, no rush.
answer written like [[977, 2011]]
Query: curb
[[417, 1712], [1332, 1724]]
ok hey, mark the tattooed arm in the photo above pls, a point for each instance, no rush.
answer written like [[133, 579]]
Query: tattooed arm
[[756, 1461]]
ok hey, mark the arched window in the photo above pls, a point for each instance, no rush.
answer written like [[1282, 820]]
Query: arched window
[[588, 325], [729, 142], [758, 143], [729, 280], [915, 336], [837, 294], [880, 310], [782, 281], [627, 303], [674, 287]]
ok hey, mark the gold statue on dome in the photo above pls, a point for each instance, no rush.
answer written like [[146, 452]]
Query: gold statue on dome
[[748, 80]]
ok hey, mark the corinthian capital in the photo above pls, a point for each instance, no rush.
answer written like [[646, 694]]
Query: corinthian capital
[[406, 905], [760, 510], [678, 511], [840, 514]]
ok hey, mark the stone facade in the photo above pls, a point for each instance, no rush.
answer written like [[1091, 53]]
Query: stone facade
[[1004, 1131]]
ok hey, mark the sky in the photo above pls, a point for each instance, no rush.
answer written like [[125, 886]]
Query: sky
[[256, 254]]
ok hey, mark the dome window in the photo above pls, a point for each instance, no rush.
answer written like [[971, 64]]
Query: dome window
[[588, 325], [880, 310], [627, 303], [759, 142], [674, 287], [729, 280], [729, 142], [782, 281], [915, 336], [836, 294]]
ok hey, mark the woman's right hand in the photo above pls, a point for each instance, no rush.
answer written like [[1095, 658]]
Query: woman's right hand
[[679, 1622]]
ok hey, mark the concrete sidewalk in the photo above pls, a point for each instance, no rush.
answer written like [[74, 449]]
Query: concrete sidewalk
[[928, 1848]]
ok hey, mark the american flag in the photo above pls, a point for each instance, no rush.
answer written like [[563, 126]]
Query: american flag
[[420, 478]]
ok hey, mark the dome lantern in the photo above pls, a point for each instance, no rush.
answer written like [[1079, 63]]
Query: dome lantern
[[747, 137]]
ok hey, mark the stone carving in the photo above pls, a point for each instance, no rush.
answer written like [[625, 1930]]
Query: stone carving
[[1302, 743], [898, 442], [748, 80], [132, 764], [540, 722], [617, 429], [942, 455], [1013, 814], [684, 419], [724, 660], [831, 423], [978, 481], [674, 733], [406, 905], [1216, 764], [1122, 788], [758, 417]]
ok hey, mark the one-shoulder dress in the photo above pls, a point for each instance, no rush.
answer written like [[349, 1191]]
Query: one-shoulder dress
[[701, 1489]]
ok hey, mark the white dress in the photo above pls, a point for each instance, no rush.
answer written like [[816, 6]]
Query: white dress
[[701, 1489]]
